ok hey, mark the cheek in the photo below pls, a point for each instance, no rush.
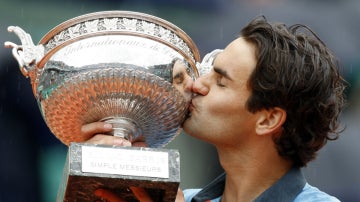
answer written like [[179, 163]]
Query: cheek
[[225, 106], [219, 115], [231, 124], [228, 111]]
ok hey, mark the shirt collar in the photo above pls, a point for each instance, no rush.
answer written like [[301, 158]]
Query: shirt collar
[[285, 189]]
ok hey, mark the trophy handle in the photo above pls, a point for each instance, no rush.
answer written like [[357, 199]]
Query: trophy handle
[[27, 54], [207, 63]]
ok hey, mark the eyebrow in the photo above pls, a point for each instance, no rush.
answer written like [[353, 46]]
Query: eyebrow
[[222, 73]]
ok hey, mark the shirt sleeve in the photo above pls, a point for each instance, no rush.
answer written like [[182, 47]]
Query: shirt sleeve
[[313, 194], [190, 193]]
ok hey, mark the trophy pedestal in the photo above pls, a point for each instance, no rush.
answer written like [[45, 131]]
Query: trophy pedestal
[[89, 167]]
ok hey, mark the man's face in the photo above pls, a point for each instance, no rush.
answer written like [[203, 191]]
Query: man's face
[[218, 112], [182, 81]]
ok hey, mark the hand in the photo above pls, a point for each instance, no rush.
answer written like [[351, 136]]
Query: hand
[[180, 196], [95, 133]]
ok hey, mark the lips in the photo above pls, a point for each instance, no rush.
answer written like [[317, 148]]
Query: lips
[[191, 105]]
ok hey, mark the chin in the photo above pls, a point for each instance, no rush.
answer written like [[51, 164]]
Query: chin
[[186, 125]]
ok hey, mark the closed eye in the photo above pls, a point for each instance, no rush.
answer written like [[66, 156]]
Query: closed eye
[[222, 73], [219, 81], [178, 78]]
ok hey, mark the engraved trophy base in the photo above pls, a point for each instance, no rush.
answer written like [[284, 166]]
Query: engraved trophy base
[[89, 167]]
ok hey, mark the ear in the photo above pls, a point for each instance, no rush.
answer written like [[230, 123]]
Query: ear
[[270, 121]]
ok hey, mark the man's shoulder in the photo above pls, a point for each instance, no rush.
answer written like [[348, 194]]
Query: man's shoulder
[[313, 194]]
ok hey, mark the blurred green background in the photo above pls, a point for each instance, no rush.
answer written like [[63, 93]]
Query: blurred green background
[[33, 159]]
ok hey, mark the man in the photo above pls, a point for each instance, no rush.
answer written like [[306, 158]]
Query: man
[[270, 102]]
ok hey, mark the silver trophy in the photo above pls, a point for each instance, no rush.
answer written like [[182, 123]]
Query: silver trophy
[[126, 68]]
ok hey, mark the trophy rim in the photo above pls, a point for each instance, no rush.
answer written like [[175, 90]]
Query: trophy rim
[[123, 14]]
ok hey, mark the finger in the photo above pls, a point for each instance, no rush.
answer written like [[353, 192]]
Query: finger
[[139, 144], [141, 194], [180, 196], [108, 195], [108, 140], [91, 129]]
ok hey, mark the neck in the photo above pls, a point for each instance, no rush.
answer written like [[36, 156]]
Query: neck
[[250, 170]]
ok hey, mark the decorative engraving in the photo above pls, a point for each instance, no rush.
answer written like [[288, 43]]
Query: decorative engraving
[[90, 26], [110, 24], [149, 28], [74, 31], [119, 24]]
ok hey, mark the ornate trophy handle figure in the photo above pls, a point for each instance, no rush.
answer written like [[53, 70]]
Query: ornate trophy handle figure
[[27, 54]]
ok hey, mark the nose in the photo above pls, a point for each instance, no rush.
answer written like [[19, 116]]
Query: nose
[[199, 86], [188, 84]]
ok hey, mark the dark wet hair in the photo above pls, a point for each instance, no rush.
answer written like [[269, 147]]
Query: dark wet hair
[[298, 73]]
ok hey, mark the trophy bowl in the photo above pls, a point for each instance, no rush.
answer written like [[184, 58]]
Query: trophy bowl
[[114, 66]]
